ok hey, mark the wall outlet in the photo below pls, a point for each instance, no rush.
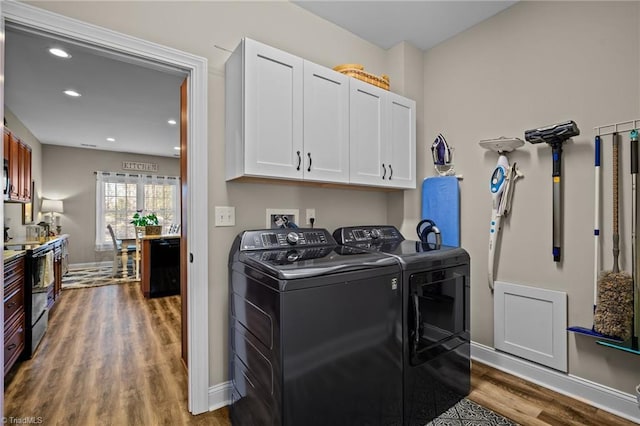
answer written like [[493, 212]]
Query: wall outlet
[[311, 213], [225, 216], [292, 215]]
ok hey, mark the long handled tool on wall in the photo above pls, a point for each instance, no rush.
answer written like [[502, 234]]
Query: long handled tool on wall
[[614, 309], [555, 135], [501, 186], [596, 233], [634, 237]]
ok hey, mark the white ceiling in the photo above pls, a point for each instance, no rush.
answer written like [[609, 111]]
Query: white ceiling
[[422, 23], [120, 100], [131, 101]]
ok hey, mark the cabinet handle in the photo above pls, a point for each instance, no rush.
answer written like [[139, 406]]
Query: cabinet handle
[[11, 347], [384, 173], [299, 160], [390, 172], [310, 161]]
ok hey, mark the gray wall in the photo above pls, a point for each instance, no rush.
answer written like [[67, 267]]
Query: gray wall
[[488, 82], [68, 176], [539, 63]]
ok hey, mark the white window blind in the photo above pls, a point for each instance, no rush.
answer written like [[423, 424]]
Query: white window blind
[[120, 195]]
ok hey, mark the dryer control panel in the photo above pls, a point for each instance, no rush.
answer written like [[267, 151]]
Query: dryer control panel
[[268, 239], [367, 234]]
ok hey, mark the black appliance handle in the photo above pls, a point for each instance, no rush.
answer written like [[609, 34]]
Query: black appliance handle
[[416, 308]]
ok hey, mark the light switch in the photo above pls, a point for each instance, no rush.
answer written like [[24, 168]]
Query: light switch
[[225, 216]]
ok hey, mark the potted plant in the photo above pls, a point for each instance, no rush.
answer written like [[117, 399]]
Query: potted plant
[[149, 222]]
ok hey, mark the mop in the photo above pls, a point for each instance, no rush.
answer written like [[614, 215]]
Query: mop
[[555, 136], [501, 186], [614, 309]]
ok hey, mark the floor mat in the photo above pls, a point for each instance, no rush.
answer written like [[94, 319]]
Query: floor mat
[[91, 277], [468, 413]]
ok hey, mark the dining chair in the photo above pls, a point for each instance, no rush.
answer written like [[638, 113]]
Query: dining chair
[[120, 255]]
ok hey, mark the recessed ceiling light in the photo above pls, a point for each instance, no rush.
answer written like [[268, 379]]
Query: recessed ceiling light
[[59, 53], [72, 93], [171, 121], [177, 148], [111, 139]]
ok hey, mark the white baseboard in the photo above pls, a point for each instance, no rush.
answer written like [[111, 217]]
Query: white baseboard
[[219, 395], [612, 400]]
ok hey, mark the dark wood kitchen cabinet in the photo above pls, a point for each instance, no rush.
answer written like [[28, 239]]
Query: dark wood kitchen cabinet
[[14, 327], [18, 155]]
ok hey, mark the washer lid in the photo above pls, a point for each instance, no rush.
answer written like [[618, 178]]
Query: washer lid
[[306, 262]]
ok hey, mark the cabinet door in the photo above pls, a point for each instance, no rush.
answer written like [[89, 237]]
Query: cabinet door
[[326, 124], [22, 158], [273, 112], [367, 130], [26, 174], [14, 167], [401, 151]]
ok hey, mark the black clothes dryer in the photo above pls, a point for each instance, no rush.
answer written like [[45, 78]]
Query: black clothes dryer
[[315, 331], [435, 318]]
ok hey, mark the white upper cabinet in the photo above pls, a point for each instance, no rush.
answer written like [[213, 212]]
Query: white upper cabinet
[[326, 124], [264, 112], [401, 153], [288, 118], [367, 131], [382, 137]]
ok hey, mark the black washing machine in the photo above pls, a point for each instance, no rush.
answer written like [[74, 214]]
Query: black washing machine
[[315, 331], [436, 318]]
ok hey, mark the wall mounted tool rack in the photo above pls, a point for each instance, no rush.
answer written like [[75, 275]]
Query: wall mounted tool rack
[[630, 346]]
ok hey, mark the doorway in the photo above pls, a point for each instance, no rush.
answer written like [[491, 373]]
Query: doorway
[[196, 201]]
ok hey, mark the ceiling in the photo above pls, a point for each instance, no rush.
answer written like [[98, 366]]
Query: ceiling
[[131, 101], [121, 100], [422, 23]]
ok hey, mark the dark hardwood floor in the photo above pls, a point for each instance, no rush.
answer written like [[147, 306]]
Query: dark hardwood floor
[[110, 357], [529, 404]]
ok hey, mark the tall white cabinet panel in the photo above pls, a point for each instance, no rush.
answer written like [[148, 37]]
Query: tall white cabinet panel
[[326, 124], [367, 134], [268, 141], [401, 154]]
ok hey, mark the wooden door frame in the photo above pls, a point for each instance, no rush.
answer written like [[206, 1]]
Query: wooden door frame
[[197, 198]]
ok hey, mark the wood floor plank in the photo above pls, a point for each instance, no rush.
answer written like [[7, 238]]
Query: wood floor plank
[[109, 357], [493, 387]]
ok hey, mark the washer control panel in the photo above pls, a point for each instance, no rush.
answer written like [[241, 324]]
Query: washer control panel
[[285, 237], [367, 234]]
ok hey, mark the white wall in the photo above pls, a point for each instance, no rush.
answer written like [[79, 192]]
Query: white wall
[[539, 63]]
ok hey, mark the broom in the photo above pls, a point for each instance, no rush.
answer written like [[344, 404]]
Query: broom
[[614, 310]]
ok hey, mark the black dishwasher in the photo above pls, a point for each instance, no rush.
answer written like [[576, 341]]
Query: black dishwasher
[[164, 279]]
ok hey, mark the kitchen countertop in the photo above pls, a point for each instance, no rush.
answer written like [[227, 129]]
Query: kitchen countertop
[[156, 237], [31, 245], [12, 254]]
